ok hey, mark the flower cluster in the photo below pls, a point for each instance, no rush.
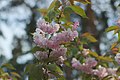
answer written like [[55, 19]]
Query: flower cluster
[[47, 36], [90, 64], [86, 67], [47, 27]]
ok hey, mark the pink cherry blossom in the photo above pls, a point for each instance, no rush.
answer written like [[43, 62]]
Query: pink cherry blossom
[[58, 52], [64, 36], [75, 26], [91, 62], [85, 52], [85, 68], [101, 72], [75, 63], [41, 55], [47, 27], [39, 38], [55, 39], [112, 71], [117, 58]]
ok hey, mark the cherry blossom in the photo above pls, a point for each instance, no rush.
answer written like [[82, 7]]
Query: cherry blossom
[[101, 72], [47, 27], [117, 58]]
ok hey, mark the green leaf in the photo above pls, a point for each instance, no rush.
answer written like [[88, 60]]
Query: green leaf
[[35, 72], [78, 10], [52, 5], [61, 78], [51, 15], [43, 11], [37, 48], [83, 1], [74, 50], [113, 45], [67, 12], [15, 74], [89, 37], [111, 28], [55, 70], [116, 31], [50, 59], [9, 66], [67, 63], [107, 59], [94, 54], [1, 70], [57, 5], [118, 36], [27, 68]]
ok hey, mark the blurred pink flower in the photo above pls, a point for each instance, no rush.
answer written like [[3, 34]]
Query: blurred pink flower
[[58, 52], [117, 58], [101, 72], [91, 62], [75, 26], [112, 71], [47, 27], [85, 52], [41, 55], [75, 63]]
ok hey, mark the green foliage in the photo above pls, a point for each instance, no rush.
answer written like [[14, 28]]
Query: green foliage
[[111, 28], [55, 70], [78, 10], [67, 12], [52, 5], [81, 1], [89, 37], [35, 72], [9, 66], [8, 75], [36, 48]]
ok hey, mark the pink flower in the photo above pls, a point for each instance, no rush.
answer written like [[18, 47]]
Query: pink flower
[[39, 38], [58, 52], [91, 62], [101, 72], [64, 36], [47, 27], [117, 58], [85, 52], [41, 55], [112, 71], [55, 40], [75, 26], [52, 45], [85, 68], [75, 63]]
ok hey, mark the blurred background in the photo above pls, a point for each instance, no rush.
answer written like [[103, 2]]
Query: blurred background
[[18, 21]]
